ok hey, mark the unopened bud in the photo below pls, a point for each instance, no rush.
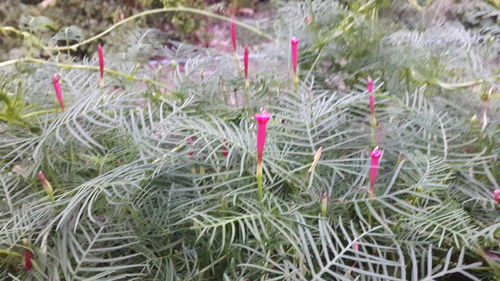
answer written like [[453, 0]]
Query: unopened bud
[[324, 203]]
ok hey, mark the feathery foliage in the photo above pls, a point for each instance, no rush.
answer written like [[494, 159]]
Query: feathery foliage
[[153, 175]]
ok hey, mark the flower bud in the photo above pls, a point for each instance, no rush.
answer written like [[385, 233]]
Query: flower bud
[[324, 203], [46, 184], [262, 119], [56, 81], [245, 62], [374, 165], [295, 53], [27, 256], [496, 195], [370, 85], [233, 35], [317, 157], [100, 53]]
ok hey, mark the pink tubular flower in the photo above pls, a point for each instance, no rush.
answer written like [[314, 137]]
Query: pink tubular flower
[[245, 62], [262, 119], [372, 104], [28, 256], [374, 165], [56, 81], [496, 195], [356, 246], [100, 53], [46, 184], [295, 53], [373, 119], [370, 85], [233, 35]]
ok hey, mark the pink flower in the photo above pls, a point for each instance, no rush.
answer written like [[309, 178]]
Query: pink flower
[[356, 246], [57, 88], [245, 62], [496, 195], [233, 35], [295, 53], [374, 165], [28, 256], [372, 104], [100, 53], [370, 85], [262, 119]]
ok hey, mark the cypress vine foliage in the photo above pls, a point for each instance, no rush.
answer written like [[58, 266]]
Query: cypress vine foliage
[[152, 175]]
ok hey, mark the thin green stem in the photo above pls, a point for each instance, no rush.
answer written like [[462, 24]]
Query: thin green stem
[[10, 253], [296, 82], [247, 92], [260, 181], [84, 67], [373, 127], [320, 52], [35, 40], [451, 86], [35, 113]]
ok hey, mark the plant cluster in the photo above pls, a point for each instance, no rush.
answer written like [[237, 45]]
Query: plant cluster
[[343, 145]]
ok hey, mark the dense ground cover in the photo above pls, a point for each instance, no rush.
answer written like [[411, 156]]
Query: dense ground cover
[[154, 159]]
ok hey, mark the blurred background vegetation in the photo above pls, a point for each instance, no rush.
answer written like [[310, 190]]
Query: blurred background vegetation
[[89, 17], [85, 18]]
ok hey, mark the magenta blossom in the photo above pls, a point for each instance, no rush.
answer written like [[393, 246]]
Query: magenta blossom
[[370, 85], [295, 53], [28, 256], [372, 104], [496, 195], [56, 81], [233, 35], [373, 119], [245, 62], [100, 53], [262, 119], [374, 165]]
